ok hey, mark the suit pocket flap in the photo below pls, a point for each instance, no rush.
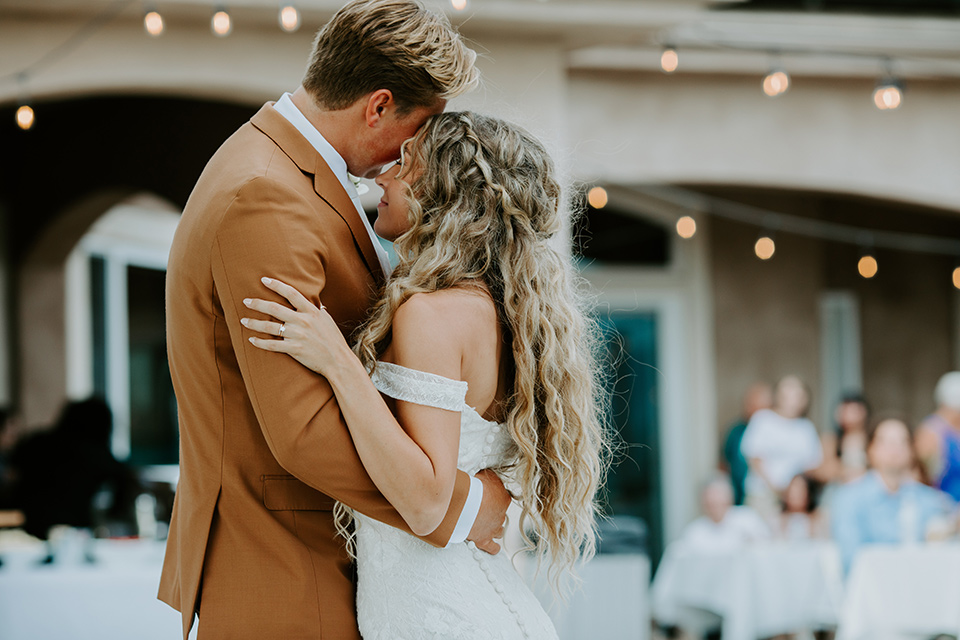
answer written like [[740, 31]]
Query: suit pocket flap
[[286, 493]]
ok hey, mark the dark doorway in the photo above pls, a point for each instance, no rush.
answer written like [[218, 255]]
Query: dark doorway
[[633, 487]]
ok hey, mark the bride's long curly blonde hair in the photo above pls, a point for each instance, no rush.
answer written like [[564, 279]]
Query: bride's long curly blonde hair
[[485, 207]]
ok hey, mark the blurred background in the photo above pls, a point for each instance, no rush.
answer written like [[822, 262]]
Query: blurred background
[[767, 188]]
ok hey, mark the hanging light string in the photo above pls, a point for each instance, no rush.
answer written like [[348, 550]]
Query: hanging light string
[[950, 68], [887, 95], [289, 17], [687, 200], [68, 46]]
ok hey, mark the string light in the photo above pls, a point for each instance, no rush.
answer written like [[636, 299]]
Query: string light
[[289, 18], [220, 23], [765, 247], [597, 197], [888, 95], [669, 60], [772, 222], [686, 227], [25, 116], [153, 21], [459, 5], [776, 83]]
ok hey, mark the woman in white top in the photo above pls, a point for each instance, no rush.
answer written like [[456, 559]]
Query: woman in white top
[[779, 444]]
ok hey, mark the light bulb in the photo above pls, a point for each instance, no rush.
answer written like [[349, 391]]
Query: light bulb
[[153, 23], [888, 96], [459, 5], [765, 247], [597, 197], [221, 24], [956, 277], [25, 117], [669, 60], [776, 83], [686, 227], [867, 267], [289, 18]]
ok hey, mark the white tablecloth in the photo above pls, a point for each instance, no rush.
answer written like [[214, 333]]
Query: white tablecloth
[[113, 599], [612, 603], [896, 593], [759, 592], [116, 598]]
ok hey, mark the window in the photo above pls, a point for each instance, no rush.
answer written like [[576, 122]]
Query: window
[[117, 301], [614, 236]]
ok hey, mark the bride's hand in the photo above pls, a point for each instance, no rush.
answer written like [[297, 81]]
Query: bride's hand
[[304, 332]]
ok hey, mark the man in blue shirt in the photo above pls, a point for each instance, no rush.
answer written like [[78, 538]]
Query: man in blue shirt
[[887, 505]]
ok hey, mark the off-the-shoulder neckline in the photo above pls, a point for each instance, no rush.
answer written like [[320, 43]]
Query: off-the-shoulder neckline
[[428, 375]]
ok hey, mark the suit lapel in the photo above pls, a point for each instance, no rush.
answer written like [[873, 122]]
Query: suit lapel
[[325, 183]]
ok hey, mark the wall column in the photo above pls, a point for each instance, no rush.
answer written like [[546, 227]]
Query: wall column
[[42, 312]]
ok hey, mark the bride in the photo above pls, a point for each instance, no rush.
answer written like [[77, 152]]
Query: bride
[[479, 355]]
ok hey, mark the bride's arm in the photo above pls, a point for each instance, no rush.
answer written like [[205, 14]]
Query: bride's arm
[[412, 456]]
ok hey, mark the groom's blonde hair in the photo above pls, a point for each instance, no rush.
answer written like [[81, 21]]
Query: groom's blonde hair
[[389, 44]]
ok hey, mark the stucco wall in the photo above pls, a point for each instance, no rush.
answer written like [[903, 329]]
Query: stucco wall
[[767, 322], [766, 313], [824, 134], [907, 325]]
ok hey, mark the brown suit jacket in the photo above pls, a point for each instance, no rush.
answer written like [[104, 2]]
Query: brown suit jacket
[[264, 450]]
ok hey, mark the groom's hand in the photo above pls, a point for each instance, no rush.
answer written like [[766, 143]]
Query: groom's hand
[[493, 513]]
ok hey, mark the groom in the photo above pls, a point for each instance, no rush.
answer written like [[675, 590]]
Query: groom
[[264, 451]]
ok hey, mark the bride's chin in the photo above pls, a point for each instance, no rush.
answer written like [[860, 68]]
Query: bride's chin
[[386, 235]]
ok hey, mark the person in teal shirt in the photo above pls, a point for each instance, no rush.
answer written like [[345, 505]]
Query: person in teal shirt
[[887, 505], [758, 396]]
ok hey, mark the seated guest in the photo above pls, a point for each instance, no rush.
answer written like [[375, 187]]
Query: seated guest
[[723, 528], [800, 519], [60, 470], [938, 439], [887, 505], [845, 450], [779, 444]]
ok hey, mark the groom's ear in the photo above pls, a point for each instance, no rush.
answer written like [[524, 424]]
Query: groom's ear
[[379, 104]]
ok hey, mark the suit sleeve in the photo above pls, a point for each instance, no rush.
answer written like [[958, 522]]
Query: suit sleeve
[[270, 230]]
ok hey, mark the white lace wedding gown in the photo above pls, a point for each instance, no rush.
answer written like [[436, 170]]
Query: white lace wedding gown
[[409, 590]]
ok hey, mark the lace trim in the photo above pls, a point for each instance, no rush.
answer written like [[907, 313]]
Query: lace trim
[[419, 387]]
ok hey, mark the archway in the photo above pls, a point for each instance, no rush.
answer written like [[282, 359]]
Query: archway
[[87, 156]]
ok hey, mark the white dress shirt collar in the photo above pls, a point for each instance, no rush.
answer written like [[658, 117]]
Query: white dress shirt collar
[[285, 107], [331, 156]]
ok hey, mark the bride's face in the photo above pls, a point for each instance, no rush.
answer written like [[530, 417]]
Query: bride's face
[[392, 212]]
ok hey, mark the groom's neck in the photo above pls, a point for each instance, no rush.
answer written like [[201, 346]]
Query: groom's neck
[[334, 126]]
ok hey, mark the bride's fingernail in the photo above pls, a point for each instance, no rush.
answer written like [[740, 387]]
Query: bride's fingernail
[[247, 301], [266, 280], [244, 321], [251, 340]]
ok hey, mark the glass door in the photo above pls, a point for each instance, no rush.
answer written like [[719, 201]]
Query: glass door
[[634, 487]]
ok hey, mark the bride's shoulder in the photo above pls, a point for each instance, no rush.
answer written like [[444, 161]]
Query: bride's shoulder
[[464, 305], [433, 331]]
